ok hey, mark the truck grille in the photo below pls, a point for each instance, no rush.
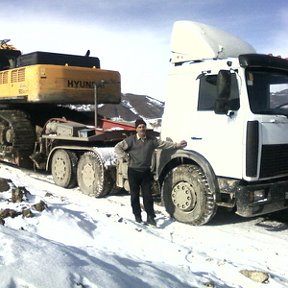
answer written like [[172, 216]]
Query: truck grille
[[274, 160]]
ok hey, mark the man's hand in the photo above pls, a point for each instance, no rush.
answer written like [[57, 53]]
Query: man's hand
[[182, 144]]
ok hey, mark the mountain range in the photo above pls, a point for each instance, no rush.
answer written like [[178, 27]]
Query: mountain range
[[133, 106]]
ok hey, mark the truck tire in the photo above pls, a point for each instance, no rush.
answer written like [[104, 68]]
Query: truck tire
[[93, 178], [64, 168], [187, 196]]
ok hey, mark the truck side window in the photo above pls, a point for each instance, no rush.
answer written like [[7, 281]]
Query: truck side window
[[208, 93]]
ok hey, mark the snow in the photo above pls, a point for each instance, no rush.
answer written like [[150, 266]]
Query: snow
[[151, 101], [107, 155], [79, 241]]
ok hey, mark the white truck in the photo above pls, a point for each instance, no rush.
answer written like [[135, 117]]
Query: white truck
[[231, 105]]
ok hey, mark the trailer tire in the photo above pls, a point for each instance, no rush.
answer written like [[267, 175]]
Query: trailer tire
[[64, 168], [187, 196], [93, 178]]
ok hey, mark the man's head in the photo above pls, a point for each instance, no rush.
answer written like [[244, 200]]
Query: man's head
[[140, 122], [140, 126]]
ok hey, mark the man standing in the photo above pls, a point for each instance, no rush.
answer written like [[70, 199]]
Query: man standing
[[138, 150]]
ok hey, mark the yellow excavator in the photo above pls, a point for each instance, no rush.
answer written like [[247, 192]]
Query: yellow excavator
[[38, 86]]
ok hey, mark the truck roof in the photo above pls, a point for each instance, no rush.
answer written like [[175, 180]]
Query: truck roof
[[193, 41]]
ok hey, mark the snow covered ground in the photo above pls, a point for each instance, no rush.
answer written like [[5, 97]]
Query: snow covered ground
[[79, 241]]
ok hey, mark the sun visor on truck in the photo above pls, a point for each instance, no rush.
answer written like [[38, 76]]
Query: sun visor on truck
[[192, 41]]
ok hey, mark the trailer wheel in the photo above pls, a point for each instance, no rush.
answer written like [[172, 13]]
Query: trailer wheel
[[93, 178], [64, 168], [187, 196]]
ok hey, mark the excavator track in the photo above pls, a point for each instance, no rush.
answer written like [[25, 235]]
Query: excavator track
[[17, 137]]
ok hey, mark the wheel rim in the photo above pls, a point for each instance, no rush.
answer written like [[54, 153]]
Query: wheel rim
[[64, 165], [88, 175], [184, 196], [60, 168]]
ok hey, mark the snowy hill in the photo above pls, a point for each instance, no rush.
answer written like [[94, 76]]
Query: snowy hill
[[54, 237], [132, 106]]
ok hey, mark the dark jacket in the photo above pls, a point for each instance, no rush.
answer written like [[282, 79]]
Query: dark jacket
[[138, 152]]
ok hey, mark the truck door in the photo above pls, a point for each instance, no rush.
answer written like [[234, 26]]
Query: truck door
[[218, 137]]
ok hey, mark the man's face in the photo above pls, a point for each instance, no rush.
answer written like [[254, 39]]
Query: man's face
[[141, 130]]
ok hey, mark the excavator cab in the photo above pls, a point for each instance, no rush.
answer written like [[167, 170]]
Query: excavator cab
[[8, 55], [8, 58]]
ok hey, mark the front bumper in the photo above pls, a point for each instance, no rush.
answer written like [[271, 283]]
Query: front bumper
[[258, 199]]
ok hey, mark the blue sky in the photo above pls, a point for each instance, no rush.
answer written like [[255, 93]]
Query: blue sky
[[133, 36]]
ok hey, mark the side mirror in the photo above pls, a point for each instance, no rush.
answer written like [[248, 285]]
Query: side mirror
[[223, 92]]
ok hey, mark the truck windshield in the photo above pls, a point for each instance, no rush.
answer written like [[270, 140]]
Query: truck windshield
[[268, 91]]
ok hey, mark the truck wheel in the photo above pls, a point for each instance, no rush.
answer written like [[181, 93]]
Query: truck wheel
[[187, 196], [93, 178], [64, 168]]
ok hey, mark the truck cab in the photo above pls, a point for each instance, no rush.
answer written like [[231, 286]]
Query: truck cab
[[231, 105]]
